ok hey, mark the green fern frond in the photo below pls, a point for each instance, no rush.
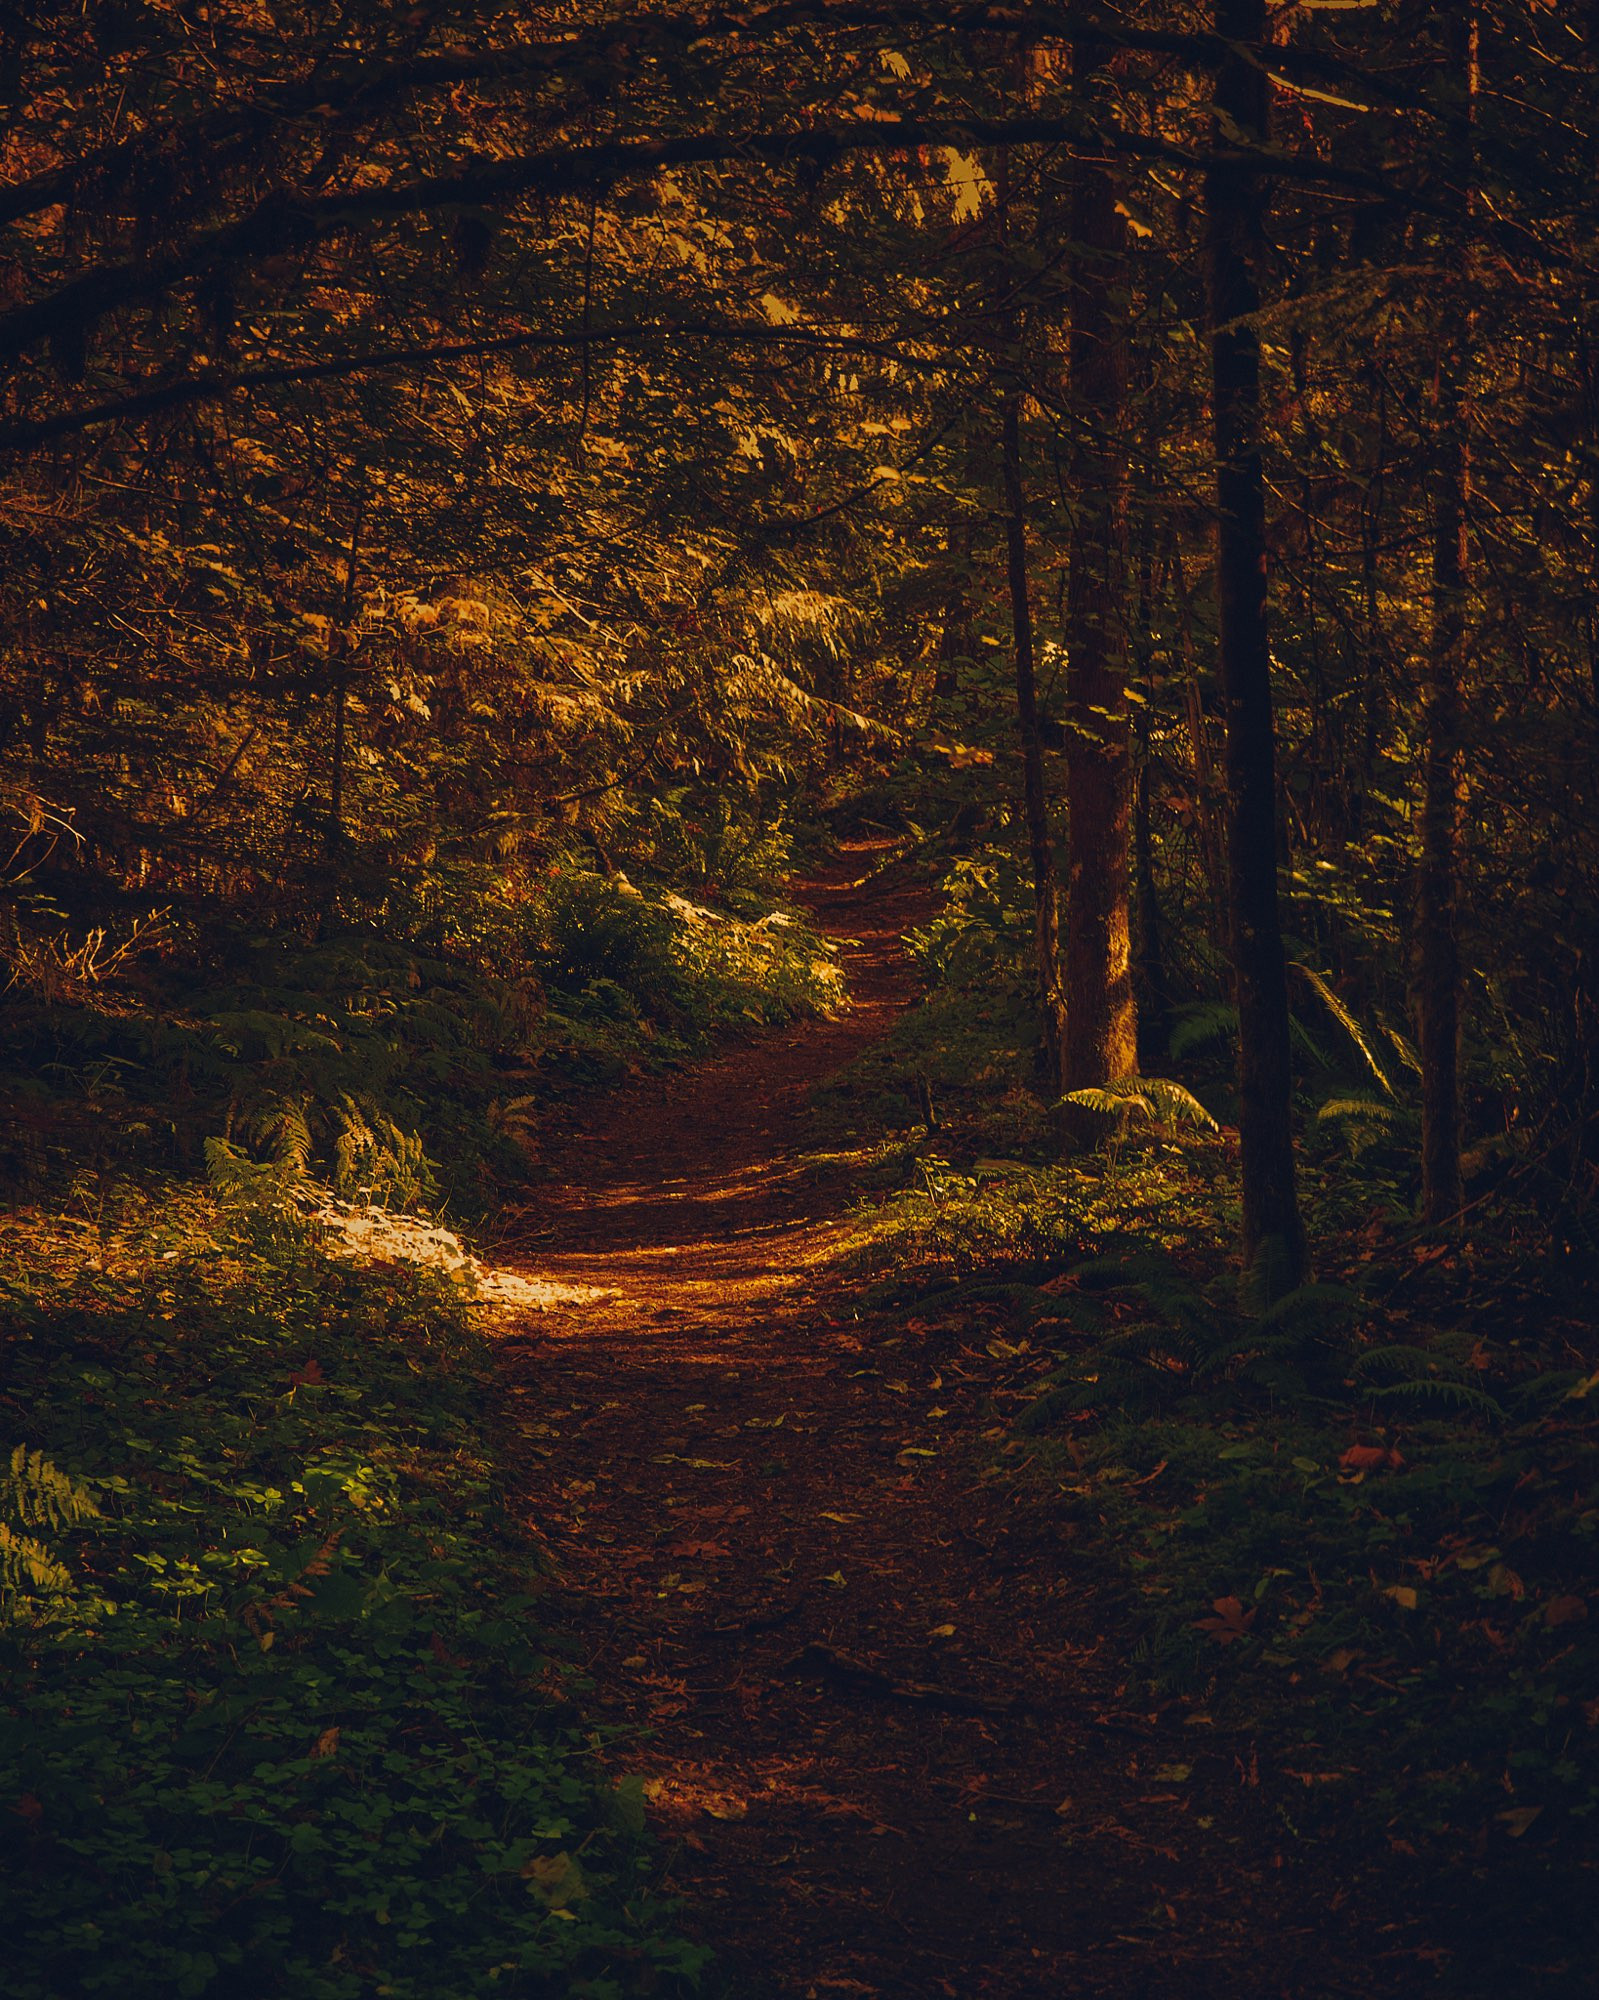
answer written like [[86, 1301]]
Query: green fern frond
[[1345, 1020], [29, 1569], [1364, 1121], [1358, 1110], [1311, 1304], [1398, 1359], [1202, 1025], [38, 1494], [1443, 1392], [1056, 1402], [1156, 1098]]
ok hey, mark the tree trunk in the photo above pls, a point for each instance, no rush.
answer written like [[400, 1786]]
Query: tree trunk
[[1101, 1016], [1273, 1234], [1209, 835], [1154, 994], [1035, 801], [1154, 1012], [340, 645], [955, 632], [1438, 874]]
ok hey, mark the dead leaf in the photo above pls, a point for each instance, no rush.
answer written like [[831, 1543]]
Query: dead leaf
[[941, 1632], [1403, 1594], [1231, 1621], [555, 1879], [1361, 1459], [326, 1743], [1517, 1820], [1504, 1582]]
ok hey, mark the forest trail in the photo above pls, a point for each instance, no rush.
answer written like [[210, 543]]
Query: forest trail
[[750, 1492]]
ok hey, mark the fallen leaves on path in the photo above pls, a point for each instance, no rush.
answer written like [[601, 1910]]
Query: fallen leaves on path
[[879, 1718]]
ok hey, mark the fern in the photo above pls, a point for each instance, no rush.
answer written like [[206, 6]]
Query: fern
[[1345, 1020], [1398, 1360], [1157, 1099], [38, 1494], [235, 1177], [1364, 1121], [1445, 1392], [1312, 1304], [29, 1570], [1425, 1376], [1061, 1399], [1202, 1025], [1298, 1348]]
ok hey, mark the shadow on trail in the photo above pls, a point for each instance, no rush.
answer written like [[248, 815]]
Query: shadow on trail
[[876, 1692], [711, 1155]]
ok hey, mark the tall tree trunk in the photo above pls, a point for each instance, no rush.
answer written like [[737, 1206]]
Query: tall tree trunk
[[1035, 800], [955, 631], [1101, 1015], [1154, 996], [1438, 874], [1273, 1233], [340, 645], [1209, 835]]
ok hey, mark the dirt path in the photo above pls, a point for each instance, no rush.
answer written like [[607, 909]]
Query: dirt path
[[752, 1493]]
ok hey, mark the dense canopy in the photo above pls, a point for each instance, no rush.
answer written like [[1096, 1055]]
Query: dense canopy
[[493, 495]]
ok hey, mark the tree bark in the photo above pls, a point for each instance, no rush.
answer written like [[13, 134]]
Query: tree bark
[[955, 632], [1153, 991], [1274, 1248], [1035, 800], [340, 645], [1438, 874], [1101, 1015]]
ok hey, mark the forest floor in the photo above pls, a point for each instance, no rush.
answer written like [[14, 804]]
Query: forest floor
[[876, 1688]]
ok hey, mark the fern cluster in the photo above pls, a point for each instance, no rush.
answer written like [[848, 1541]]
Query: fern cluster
[[35, 1583]]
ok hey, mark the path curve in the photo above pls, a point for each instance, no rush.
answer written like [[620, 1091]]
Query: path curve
[[880, 1711]]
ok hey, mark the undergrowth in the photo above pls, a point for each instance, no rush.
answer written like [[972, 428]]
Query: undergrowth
[[1353, 1530], [278, 1717], [404, 1050]]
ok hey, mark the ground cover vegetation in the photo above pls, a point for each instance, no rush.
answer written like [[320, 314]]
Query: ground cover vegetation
[[486, 494]]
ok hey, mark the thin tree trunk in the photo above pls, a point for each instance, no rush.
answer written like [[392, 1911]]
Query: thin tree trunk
[[1209, 834], [1101, 1014], [955, 632], [339, 645], [1273, 1233], [1154, 997], [1438, 875], [1154, 1014], [1035, 801]]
